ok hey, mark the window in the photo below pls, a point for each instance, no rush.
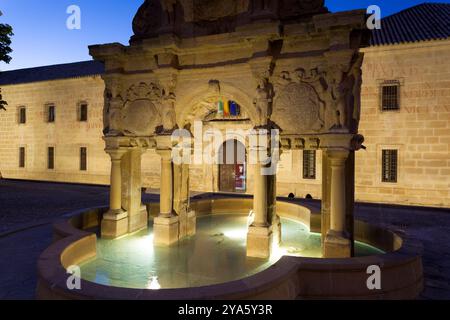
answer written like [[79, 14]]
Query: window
[[390, 96], [22, 157], [51, 158], [83, 159], [22, 115], [83, 113], [390, 165], [51, 114], [309, 164]]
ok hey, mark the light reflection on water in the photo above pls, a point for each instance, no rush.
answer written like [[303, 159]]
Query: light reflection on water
[[216, 254]]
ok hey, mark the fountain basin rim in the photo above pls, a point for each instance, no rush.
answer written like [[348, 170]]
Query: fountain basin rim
[[289, 278]]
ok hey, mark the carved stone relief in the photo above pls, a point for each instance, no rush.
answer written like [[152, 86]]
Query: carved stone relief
[[148, 19], [343, 82], [112, 110], [297, 107], [140, 115]]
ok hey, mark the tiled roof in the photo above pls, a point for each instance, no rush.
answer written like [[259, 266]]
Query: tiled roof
[[427, 21], [54, 72]]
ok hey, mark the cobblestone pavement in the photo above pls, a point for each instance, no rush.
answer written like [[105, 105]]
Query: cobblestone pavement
[[28, 208]]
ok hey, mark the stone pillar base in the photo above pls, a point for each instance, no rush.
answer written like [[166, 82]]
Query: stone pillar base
[[166, 230], [337, 245], [259, 242], [138, 221], [114, 224], [191, 223]]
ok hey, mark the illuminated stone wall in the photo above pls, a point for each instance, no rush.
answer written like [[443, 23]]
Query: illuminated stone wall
[[67, 135], [420, 130]]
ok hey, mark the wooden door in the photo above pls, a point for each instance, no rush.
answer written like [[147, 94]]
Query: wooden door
[[232, 175], [227, 178]]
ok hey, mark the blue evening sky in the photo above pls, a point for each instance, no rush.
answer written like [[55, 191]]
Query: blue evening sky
[[41, 36]]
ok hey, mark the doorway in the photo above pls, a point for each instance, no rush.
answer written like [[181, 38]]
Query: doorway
[[232, 167]]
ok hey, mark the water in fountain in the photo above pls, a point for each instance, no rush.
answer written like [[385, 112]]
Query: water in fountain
[[216, 254]]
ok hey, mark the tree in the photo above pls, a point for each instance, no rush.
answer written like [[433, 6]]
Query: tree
[[5, 49]]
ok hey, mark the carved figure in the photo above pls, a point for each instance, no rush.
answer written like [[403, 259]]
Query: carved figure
[[168, 112], [264, 94], [356, 72]]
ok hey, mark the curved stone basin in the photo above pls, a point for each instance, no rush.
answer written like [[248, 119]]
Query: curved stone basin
[[216, 254], [291, 277]]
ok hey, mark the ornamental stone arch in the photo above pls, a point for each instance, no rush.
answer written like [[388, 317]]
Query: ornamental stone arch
[[202, 101]]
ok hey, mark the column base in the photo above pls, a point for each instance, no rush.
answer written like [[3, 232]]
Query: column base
[[166, 230], [337, 245], [138, 221], [259, 242], [114, 224]]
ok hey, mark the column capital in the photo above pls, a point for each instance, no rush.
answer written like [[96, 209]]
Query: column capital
[[116, 154], [166, 154], [164, 142], [338, 154], [337, 141]]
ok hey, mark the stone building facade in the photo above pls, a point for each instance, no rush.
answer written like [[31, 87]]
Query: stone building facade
[[406, 160]]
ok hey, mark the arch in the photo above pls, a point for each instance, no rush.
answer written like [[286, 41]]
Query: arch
[[199, 103]]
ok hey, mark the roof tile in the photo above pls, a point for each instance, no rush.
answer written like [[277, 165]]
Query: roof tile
[[426, 21], [54, 72]]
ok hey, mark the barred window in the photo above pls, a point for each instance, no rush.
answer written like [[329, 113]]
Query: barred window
[[390, 165], [51, 114], [309, 164], [390, 96], [83, 159], [51, 158], [22, 115], [22, 157]]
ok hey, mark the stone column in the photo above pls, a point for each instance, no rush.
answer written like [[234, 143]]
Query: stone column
[[337, 242], [131, 191], [166, 225], [325, 207], [181, 201], [166, 192], [260, 199], [115, 221], [260, 235]]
